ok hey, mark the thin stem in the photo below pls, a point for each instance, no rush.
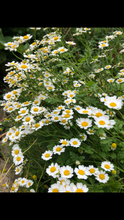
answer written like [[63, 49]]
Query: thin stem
[[30, 145], [16, 56], [40, 177]]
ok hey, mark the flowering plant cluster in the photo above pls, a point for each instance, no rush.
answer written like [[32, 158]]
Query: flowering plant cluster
[[66, 112]]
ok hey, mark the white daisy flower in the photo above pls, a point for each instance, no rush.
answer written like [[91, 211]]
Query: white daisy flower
[[64, 142], [66, 171], [90, 131], [23, 182], [101, 176], [107, 67], [80, 188], [84, 137], [84, 123], [102, 136], [81, 172], [47, 155], [62, 49], [37, 126], [70, 43], [102, 45], [120, 80], [92, 170], [74, 142], [107, 166], [35, 110], [58, 149], [29, 183], [85, 111], [110, 80], [18, 159], [67, 116], [77, 108], [32, 190], [23, 111], [56, 118], [102, 121], [28, 119], [54, 188], [113, 102], [16, 151], [97, 113], [53, 169], [18, 169]]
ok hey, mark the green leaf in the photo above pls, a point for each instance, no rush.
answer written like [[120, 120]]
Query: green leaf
[[21, 49], [3, 57], [120, 155], [2, 40], [90, 83], [88, 150], [82, 59], [102, 154]]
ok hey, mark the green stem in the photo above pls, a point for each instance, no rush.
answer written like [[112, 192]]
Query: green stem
[[40, 177], [16, 56]]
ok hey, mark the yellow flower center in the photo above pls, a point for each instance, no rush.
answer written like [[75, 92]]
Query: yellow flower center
[[25, 37], [78, 108], [47, 155], [52, 169], [9, 44], [25, 103], [67, 111], [13, 188], [120, 80], [66, 172], [64, 142], [55, 190], [79, 190], [114, 171], [102, 176], [92, 170], [63, 121], [56, 38], [62, 50], [85, 111], [22, 181], [107, 166], [56, 118], [27, 119], [81, 172], [17, 169], [84, 123], [98, 114], [37, 125], [58, 149], [101, 122], [23, 66], [35, 109], [10, 109], [75, 142], [113, 104], [16, 151], [23, 111], [8, 96], [17, 133], [114, 145], [18, 158], [67, 115]]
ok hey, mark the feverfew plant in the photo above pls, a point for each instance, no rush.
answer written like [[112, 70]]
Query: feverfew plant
[[66, 111]]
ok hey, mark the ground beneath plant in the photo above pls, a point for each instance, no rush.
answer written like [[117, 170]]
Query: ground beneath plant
[[10, 177]]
